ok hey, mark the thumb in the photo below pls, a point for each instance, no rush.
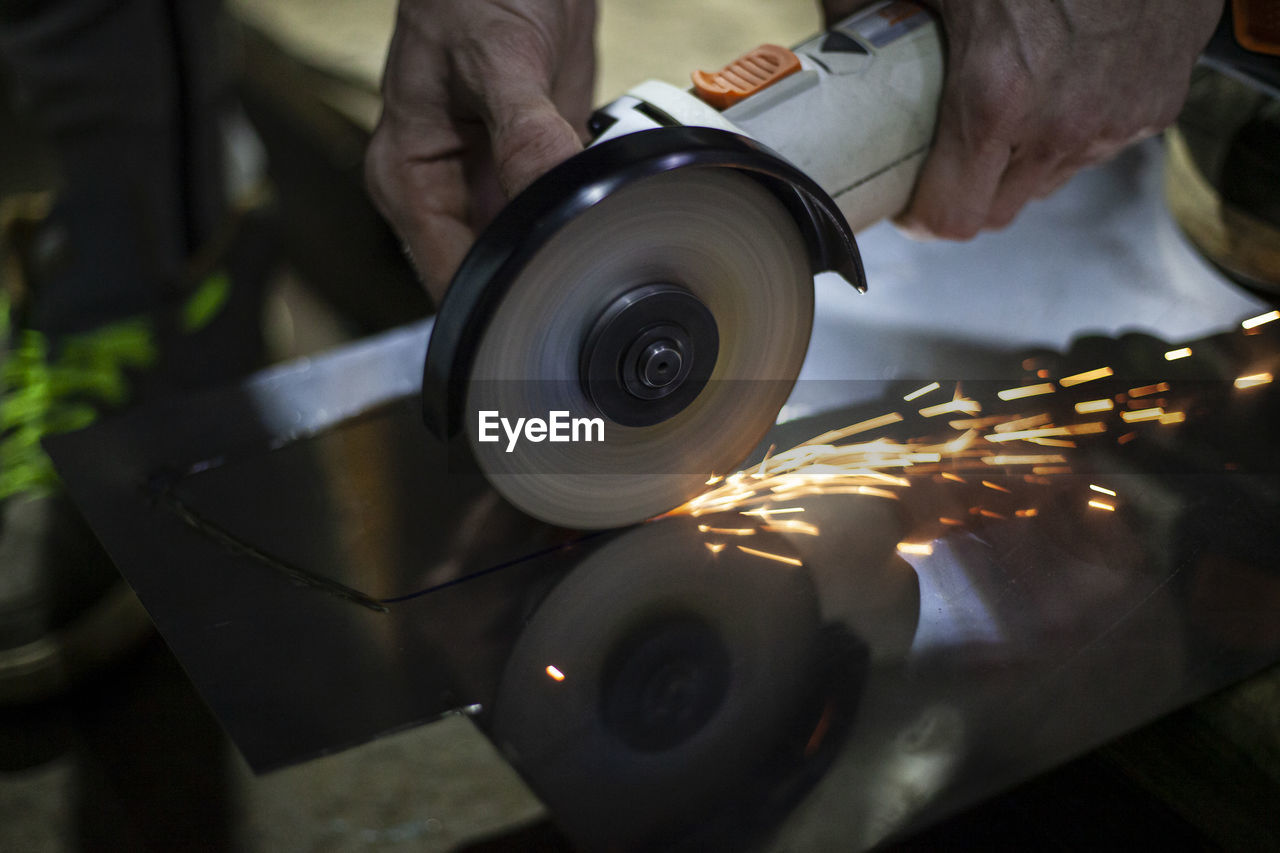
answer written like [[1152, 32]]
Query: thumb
[[528, 139]]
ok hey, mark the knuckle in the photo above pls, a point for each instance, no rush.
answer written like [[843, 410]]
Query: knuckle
[[1081, 117], [509, 47], [992, 112], [1070, 132], [1001, 94]]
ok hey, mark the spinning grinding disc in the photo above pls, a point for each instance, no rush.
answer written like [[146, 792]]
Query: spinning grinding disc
[[665, 290], [715, 243]]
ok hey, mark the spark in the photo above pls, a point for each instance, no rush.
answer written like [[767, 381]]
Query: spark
[[1126, 438], [1148, 390], [1047, 470], [876, 493], [792, 525], [988, 513], [917, 549], [765, 512], [1254, 322], [1175, 354], [556, 674], [713, 479], [1090, 406], [1052, 442], [960, 443], [1031, 512], [714, 547], [951, 522], [978, 423], [790, 561], [1025, 391], [1087, 376], [727, 531], [1102, 505], [1173, 417], [996, 486], [920, 392], [947, 475], [960, 404], [1253, 380], [1071, 429], [888, 479], [1025, 459], [862, 426], [1102, 490], [1139, 415], [1024, 423], [760, 469]]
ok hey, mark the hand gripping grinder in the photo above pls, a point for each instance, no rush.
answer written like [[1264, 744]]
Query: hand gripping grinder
[[631, 324]]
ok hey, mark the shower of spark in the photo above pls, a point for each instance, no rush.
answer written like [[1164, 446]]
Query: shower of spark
[[992, 452]]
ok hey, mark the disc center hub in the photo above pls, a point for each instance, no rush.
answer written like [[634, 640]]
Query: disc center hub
[[649, 354], [660, 364]]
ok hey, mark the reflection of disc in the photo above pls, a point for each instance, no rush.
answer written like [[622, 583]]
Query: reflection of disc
[[680, 669], [862, 582], [716, 234]]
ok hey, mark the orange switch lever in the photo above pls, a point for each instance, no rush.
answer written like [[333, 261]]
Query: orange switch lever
[[746, 75]]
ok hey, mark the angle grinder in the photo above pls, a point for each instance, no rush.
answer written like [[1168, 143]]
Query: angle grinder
[[632, 323]]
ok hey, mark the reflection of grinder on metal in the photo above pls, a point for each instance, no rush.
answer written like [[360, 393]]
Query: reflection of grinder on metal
[[672, 691]]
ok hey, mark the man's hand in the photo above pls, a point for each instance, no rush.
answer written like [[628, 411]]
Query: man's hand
[[479, 98], [1036, 89]]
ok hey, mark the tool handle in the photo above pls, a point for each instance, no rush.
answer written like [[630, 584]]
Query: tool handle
[[853, 107], [859, 116]]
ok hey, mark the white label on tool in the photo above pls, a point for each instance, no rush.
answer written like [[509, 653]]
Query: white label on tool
[[887, 22]]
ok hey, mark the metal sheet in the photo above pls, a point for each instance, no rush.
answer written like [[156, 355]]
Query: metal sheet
[[323, 467], [389, 586]]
